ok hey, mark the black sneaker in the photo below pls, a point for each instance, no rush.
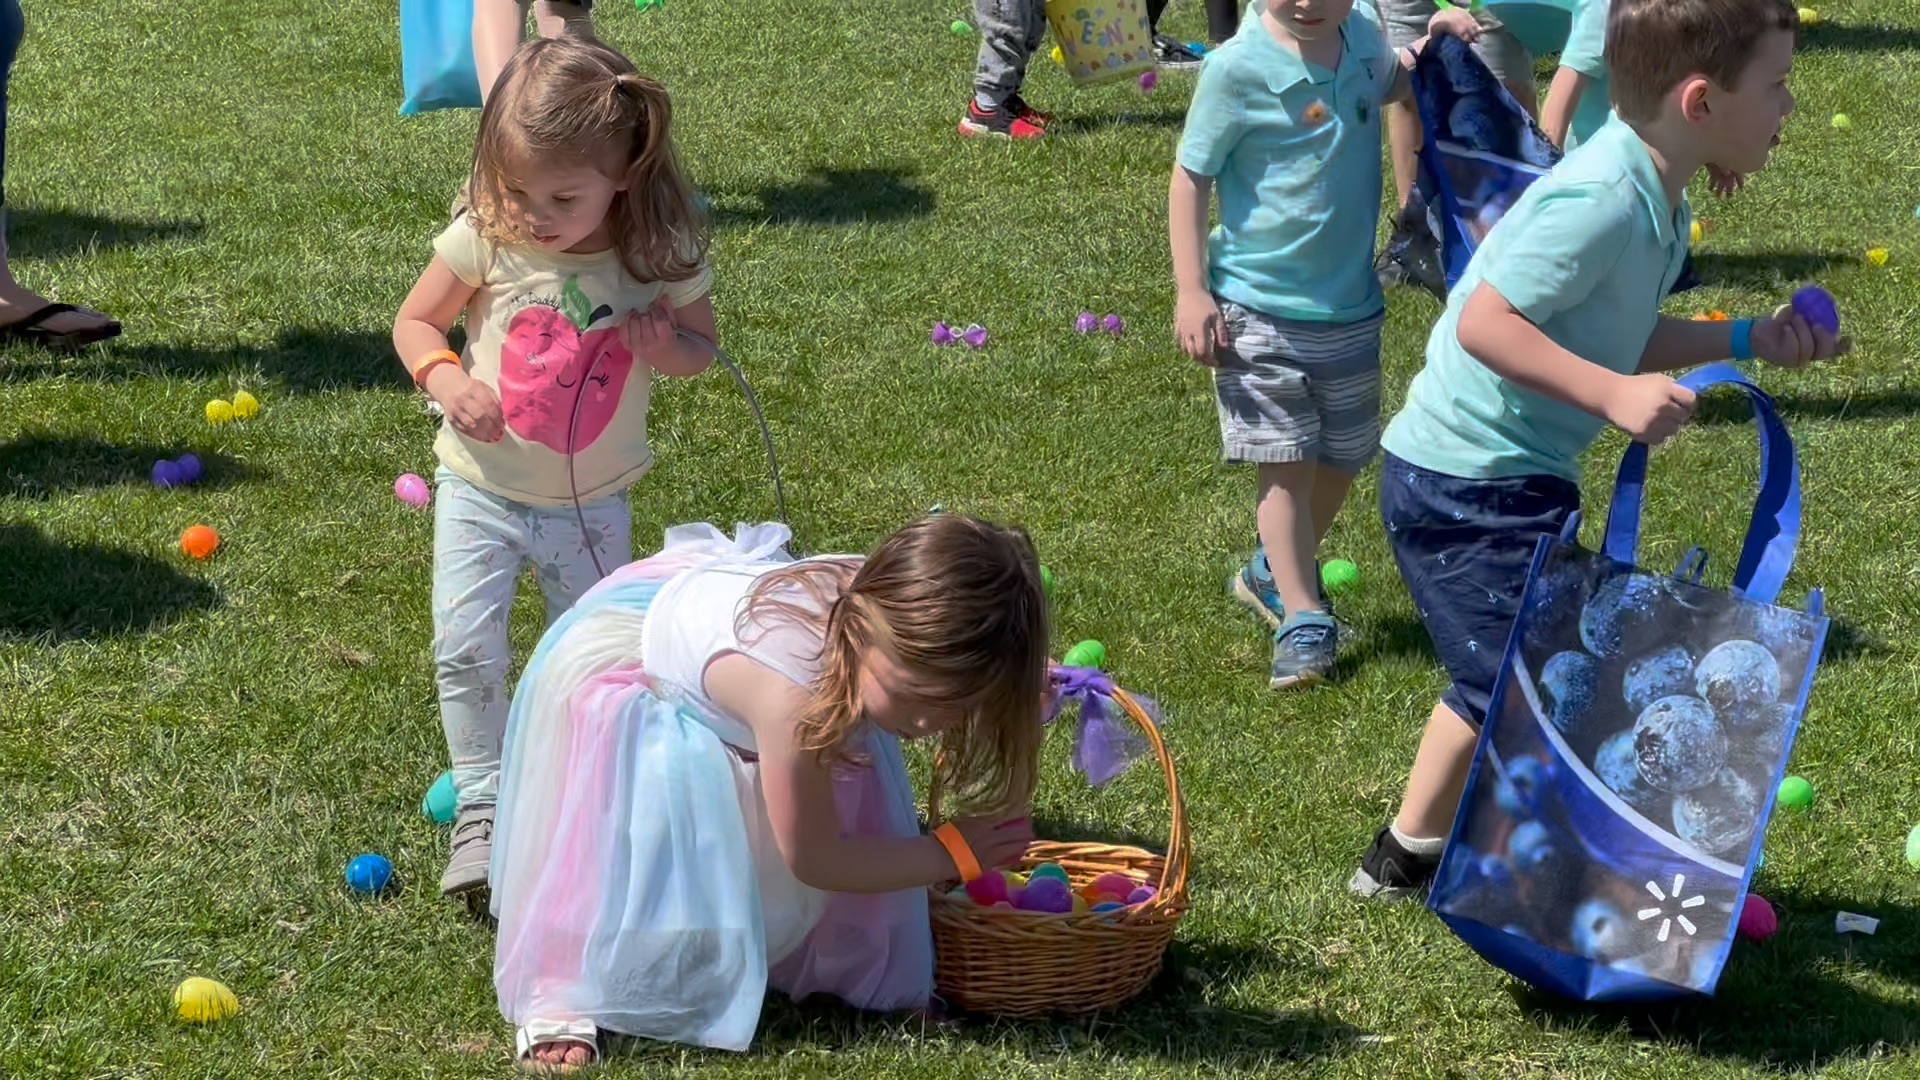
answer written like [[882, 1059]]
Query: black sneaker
[[1169, 53], [1391, 872]]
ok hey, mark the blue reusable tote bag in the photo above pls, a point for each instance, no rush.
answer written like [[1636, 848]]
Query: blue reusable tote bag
[[436, 56], [1479, 152], [1636, 734]]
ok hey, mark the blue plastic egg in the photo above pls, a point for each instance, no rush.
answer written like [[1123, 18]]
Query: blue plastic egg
[[369, 873]]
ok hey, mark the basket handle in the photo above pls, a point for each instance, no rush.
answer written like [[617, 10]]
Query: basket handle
[[1173, 875]]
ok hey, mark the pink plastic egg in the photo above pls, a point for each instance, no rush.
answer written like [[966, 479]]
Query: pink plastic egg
[[412, 490], [987, 889], [1118, 886], [1758, 921]]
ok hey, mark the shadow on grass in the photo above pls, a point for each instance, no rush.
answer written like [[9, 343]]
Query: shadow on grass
[[1767, 270], [51, 234], [1871, 405], [1838, 36], [1398, 636], [836, 197], [301, 360], [63, 592], [39, 466], [1085, 124], [1797, 1001]]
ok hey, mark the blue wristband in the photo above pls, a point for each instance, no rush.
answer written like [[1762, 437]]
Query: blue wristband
[[1743, 339]]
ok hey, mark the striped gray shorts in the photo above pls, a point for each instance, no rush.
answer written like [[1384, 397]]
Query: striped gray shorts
[[1299, 391]]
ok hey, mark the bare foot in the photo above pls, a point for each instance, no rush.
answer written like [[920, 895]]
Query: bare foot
[[18, 303], [559, 1056]]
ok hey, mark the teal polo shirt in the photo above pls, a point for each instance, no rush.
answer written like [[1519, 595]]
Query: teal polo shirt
[[1587, 254], [1294, 151], [1585, 53]]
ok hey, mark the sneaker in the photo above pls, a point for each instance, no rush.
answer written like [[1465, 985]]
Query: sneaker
[[1018, 106], [472, 851], [1002, 122], [1390, 872], [1303, 650], [1253, 586], [1169, 53]]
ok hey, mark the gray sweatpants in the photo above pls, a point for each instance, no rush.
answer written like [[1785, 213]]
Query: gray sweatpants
[[1010, 31]]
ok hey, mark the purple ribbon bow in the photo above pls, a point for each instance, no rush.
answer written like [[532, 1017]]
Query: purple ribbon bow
[[1106, 744]]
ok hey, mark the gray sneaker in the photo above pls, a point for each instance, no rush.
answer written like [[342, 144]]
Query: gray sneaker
[[1303, 649], [472, 851]]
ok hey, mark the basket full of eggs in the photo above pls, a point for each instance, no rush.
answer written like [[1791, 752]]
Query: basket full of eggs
[[1073, 927]]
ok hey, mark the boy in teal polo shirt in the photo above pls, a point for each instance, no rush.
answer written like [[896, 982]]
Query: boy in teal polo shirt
[[1281, 301], [1554, 332]]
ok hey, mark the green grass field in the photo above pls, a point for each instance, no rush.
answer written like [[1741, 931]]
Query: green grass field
[[191, 752]]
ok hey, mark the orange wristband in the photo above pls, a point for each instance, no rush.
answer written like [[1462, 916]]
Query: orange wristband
[[427, 362], [962, 855]]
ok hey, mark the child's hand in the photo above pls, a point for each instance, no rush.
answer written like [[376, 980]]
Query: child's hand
[[1723, 181], [1456, 21], [1790, 341], [1651, 408], [649, 332], [996, 843], [471, 405], [1198, 325]]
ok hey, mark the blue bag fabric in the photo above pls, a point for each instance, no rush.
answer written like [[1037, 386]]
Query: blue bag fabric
[[1637, 732], [1479, 150], [436, 56]]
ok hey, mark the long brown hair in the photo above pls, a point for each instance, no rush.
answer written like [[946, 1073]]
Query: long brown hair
[[575, 98], [958, 603]]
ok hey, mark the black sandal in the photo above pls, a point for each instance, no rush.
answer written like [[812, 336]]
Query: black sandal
[[34, 331]]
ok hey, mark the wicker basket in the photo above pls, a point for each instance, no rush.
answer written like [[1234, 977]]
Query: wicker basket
[[1027, 963]]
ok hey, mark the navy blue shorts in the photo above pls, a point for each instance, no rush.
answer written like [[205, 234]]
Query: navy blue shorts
[[1464, 548]]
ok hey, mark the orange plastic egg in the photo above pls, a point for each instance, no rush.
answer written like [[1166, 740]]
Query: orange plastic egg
[[199, 541]]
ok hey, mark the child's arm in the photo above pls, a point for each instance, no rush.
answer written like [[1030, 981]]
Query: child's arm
[[1563, 97], [1196, 317], [800, 806], [420, 329], [1648, 407], [652, 337], [1784, 340]]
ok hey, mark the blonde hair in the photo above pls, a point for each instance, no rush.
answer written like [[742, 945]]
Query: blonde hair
[[576, 98], [959, 604]]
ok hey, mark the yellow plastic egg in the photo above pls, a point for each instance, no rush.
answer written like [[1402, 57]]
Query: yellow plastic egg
[[1697, 231], [1058, 56], [1809, 16], [1878, 256], [202, 1001], [219, 411], [1080, 904], [245, 404]]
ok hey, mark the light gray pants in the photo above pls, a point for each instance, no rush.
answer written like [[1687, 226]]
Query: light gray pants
[[481, 542], [1010, 32]]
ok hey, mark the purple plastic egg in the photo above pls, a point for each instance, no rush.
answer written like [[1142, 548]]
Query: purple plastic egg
[[189, 467], [1086, 323], [1816, 305], [166, 474], [1142, 894], [1045, 894], [943, 334], [1147, 80], [975, 335], [1113, 322]]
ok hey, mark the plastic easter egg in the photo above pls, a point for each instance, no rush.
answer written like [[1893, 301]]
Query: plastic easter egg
[[1842, 121], [369, 873], [189, 466], [1795, 793], [1052, 870], [1087, 653], [202, 1001], [1113, 884], [412, 490], [960, 27], [1338, 576], [1108, 905], [245, 404], [1046, 894], [167, 474], [199, 541], [1758, 920], [987, 889], [441, 800], [1080, 905], [1046, 580], [1816, 305], [1142, 894], [1913, 847], [219, 411]]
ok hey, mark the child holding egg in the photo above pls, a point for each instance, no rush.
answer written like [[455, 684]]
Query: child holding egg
[[703, 793]]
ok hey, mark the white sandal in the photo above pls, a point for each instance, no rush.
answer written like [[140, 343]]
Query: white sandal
[[537, 1033]]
